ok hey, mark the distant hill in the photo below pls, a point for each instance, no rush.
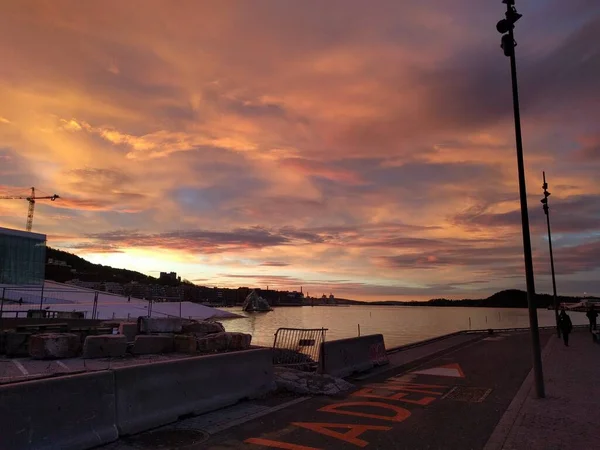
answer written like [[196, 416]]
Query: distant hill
[[83, 270], [509, 298], [87, 271]]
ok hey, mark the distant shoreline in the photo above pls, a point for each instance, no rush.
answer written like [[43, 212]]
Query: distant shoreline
[[512, 298]]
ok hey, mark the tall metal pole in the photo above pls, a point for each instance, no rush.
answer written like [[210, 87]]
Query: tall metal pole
[[547, 212], [511, 17], [180, 303], [2, 304], [42, 296]]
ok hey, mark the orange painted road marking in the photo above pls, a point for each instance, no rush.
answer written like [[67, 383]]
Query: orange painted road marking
[[449, 370], [405, 387], [401, 413], [398, 388], [368, 393], [351, 436], [278, 444]]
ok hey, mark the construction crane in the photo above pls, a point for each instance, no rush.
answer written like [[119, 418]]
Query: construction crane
[[31, 199]]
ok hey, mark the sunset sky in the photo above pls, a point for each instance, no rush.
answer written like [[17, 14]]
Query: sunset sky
[[363, 148]]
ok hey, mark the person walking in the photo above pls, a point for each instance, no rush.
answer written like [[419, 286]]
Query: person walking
[[592, 316], [565, 325]]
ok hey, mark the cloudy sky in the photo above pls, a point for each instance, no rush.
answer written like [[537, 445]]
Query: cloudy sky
[[364, 148]]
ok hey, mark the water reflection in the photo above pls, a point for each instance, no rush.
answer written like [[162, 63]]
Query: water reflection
[[399, 324]]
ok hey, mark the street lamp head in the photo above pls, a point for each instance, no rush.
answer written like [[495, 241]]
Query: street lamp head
[[512, 15], [507, 24], [504, 26], [508, 45]]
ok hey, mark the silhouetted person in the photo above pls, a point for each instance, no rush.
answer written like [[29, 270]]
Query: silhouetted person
[[565, 325], [20, 301], [592, 315]]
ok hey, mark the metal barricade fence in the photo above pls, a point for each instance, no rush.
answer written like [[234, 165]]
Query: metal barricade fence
[[298, 347]]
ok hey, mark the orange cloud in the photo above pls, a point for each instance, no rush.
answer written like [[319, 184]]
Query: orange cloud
[[371, 146]]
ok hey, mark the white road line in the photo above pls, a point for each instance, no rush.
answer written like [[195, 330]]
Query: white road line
[[448, 393], [63, 365], [20, 367]]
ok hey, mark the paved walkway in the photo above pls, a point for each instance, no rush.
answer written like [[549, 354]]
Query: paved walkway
[[569, 417]]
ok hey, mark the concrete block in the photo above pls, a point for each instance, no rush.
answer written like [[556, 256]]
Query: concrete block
[[54, 345], [17, 344], [200, 329], [240, 341], [151, 395], [70, 412], [160, 325], [343, 357], [145, 344], [214, 343], [105, 346], [219, 342], [129, 329], [185, 344]]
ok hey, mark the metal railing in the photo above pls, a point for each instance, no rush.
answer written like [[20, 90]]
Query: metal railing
[[298, 347]]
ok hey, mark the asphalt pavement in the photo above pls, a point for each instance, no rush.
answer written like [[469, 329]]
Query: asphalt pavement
[[452, 401]]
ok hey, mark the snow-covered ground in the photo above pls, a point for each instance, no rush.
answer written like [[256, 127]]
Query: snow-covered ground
[[65, 297]]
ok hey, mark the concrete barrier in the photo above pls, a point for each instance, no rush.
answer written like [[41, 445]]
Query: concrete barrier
[[345, 356], [71, 412], [155, 394]]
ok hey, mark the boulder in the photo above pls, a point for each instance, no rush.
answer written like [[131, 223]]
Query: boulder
[[129, 330], [149, 325], [16, 344], [105, 346], [54, 345], [185, 343], [201, 329], [146, 344], [219, 342]]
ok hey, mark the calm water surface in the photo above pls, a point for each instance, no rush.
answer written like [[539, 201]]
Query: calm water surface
[[399, 324]]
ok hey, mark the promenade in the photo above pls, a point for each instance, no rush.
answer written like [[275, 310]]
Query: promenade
[[464, 392], [569, 417]]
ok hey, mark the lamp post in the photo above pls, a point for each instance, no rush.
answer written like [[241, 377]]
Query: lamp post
[[508, 44], [546, 208]]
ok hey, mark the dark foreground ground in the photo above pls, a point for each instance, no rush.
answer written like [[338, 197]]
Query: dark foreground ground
[[456, 407]]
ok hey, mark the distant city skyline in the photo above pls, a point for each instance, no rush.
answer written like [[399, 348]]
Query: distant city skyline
[[350, 147]]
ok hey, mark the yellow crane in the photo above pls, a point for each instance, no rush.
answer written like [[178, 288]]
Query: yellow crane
[[31, 199]]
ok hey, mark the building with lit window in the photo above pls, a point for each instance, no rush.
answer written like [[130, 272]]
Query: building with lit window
[[22, 257]]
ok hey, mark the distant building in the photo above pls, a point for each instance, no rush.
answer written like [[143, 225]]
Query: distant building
[[113, 288], [56, 262], [22, 257], [85, 284], [170, 276]]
